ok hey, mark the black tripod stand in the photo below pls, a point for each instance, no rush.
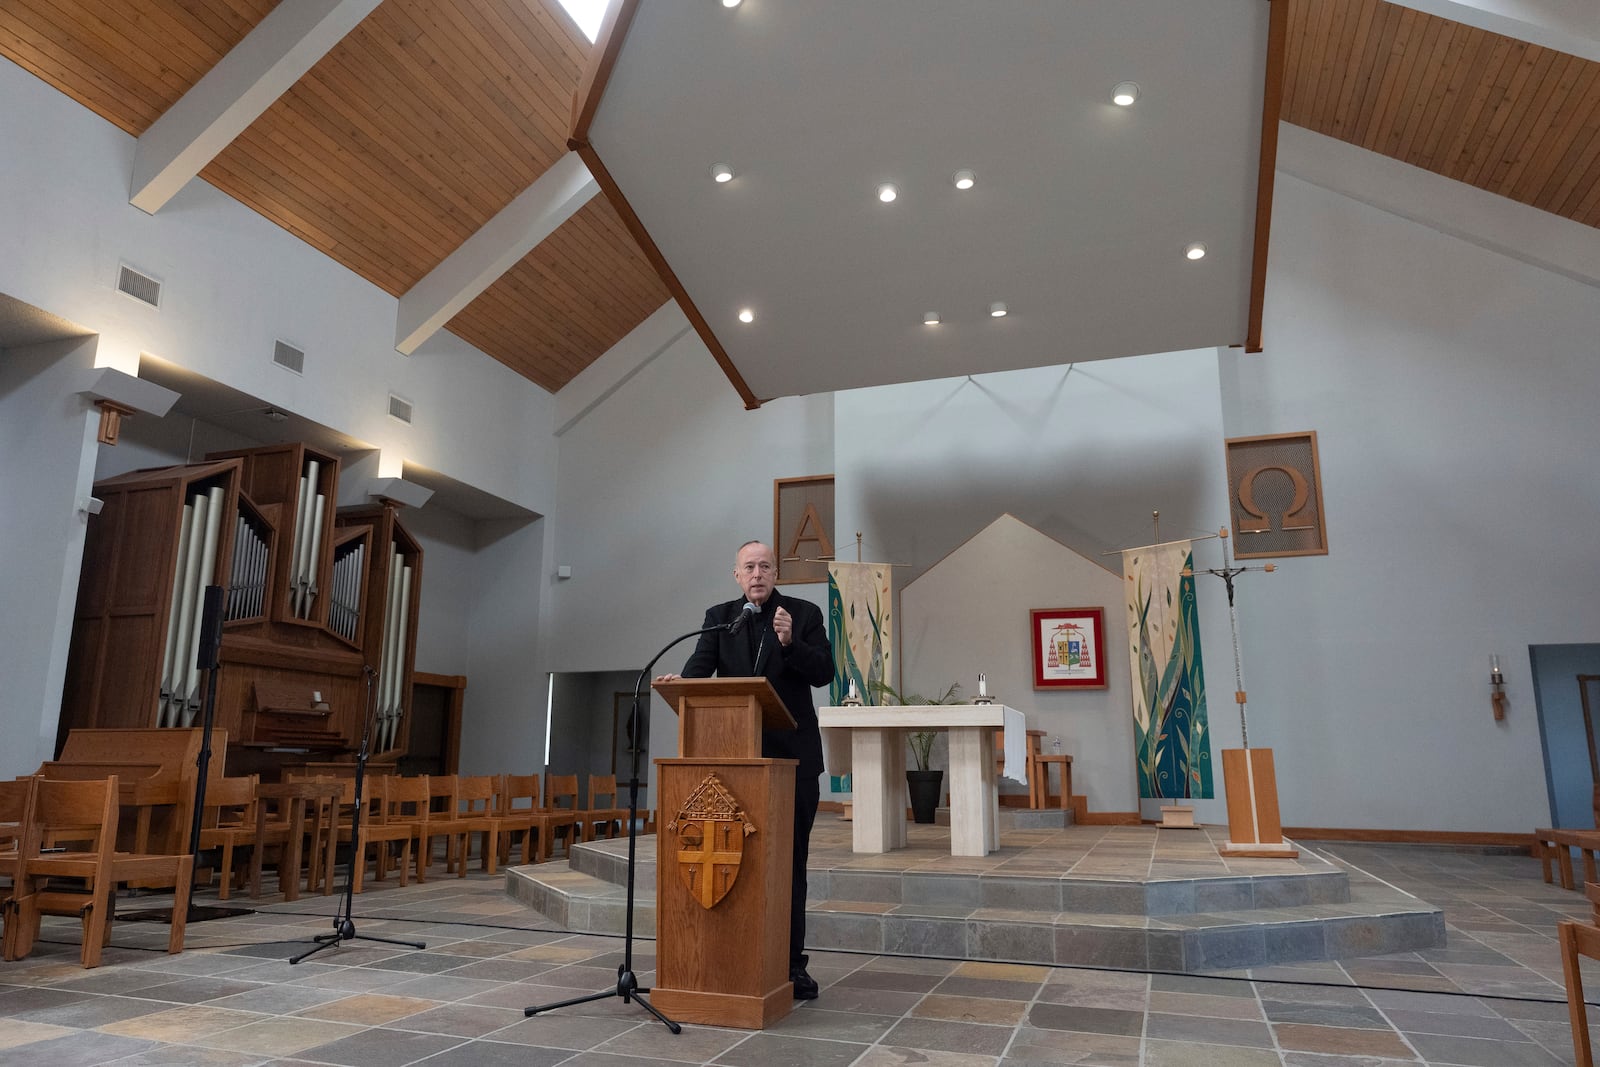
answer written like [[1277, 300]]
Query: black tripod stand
[[344, 924], [627, 982]]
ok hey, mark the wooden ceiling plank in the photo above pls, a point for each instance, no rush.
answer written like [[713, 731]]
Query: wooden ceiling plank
[[1407, 101], [1485, 64], [137, 52], [1363, 45], [126, 105], [1508, 135], [1373, 63], [1581, 182], [467, 69], [1392, 79], [1565, 128], [1502, 94], [273, 208], [1434, 91], [234, 93], [1336, 67], [416, 186], [1464, 77], [1493, 99], [606, 242], [1301, 37], [1556, 92], [53, 56], [1329, 62], [551, 23], [364, 189], [557, 67], [412, 115]]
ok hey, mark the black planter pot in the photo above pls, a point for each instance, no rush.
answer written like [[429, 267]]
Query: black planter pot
[[926, 788]]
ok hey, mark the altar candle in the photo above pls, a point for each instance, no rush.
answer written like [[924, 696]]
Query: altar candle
[[983, 686]]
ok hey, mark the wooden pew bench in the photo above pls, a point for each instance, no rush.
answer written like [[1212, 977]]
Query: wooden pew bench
[[1556, 844]]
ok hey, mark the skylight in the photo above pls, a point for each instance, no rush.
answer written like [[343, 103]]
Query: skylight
[[588, 14]]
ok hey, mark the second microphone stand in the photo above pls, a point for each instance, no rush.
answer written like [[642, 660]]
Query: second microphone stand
[[627, 982], [344, 923]]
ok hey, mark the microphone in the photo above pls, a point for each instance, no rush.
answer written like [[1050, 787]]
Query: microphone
[[750, 611]]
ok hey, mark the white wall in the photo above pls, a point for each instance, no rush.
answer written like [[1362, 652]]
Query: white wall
[[1453, 392], [969, 613], [235, 282], [659, 484], [47, 441]]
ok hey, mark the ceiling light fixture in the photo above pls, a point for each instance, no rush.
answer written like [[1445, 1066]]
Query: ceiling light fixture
[[965, 179], [997, 310], [730, 3], [930, 318], [887, 192], [721, 172], [1195, 251], [746, 315], [1125, 93]]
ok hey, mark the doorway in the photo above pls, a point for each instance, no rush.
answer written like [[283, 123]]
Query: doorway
[[1566, 691]]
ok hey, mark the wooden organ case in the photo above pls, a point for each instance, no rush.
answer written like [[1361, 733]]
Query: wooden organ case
[[314, 598]]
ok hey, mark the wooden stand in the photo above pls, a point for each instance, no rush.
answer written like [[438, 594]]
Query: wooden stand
[[724, 857], [1252, 786]]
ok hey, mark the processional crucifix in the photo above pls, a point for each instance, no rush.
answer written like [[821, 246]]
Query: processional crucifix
[[1228, 573]]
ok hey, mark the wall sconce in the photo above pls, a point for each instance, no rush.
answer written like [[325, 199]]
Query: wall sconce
[[1497, 689]]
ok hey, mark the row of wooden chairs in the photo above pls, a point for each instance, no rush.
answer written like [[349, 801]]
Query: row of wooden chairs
[[58, 856], [401, 819]]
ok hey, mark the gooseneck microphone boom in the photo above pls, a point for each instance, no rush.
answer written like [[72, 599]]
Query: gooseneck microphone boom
[[750, 611]]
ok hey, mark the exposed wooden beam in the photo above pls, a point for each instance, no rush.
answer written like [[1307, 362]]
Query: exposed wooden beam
[[234, 93], [491, 251], [613, 31], [1271, 108], [647, 245]]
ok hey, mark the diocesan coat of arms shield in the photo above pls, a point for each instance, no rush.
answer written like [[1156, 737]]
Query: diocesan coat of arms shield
[[709, 832]]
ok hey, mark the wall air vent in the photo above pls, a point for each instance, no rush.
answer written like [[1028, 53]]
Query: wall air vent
[[399, 408], [141, 287], [288, 357]]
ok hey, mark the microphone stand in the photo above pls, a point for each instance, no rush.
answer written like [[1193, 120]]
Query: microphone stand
[[344, 924], [627, 982]]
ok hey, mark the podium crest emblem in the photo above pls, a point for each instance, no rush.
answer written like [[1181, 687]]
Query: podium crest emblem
[[709, 831]]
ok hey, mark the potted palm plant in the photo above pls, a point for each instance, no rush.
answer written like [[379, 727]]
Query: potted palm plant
[[925, 784]]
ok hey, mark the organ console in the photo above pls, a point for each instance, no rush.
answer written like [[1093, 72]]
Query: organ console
[[314, 594]]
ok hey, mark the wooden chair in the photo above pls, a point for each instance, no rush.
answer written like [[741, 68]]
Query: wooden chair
[[84, 814], [476, 799], [566, 818], [524, 819], [397, 813], [442, 792], [1579, 939], [228, 823], [609, 816], [16, 804]]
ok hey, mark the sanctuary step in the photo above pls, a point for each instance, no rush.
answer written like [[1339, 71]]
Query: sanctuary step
[[1129, 897]]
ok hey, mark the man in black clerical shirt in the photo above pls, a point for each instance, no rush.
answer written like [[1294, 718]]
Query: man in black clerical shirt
[[787, 644]]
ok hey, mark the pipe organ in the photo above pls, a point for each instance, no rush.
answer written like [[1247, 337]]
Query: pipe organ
[[315, 595]]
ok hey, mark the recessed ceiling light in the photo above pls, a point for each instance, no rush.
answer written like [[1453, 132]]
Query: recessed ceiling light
[[730, 3], [721, 173], [1124, 94], [1195, 251], [930, 318], [965, 179], [997, 310], [746, 315], [887, 192]]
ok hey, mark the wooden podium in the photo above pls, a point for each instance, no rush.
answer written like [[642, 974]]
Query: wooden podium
[[724, 851]]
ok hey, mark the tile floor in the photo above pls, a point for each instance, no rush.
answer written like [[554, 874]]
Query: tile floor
[[1492, 997]]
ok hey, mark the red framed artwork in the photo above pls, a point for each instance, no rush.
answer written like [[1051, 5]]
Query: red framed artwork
[[1069, 648]]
